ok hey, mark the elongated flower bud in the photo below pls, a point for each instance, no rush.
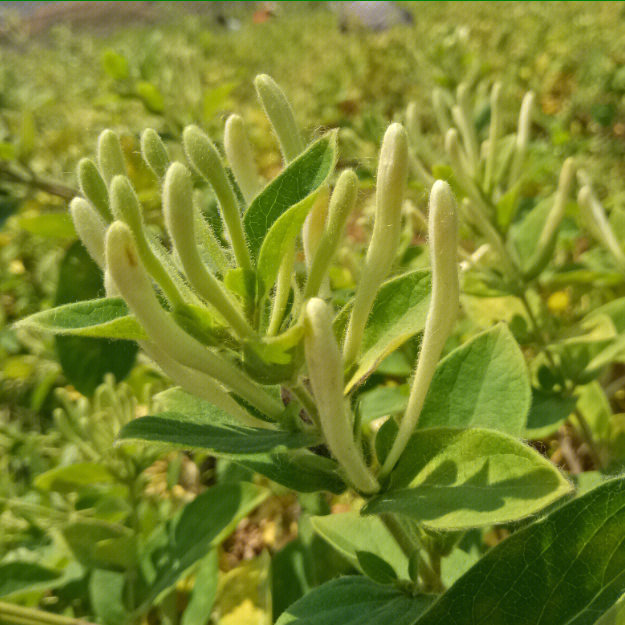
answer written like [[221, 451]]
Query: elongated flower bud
[[206, 161], [110, 157], [522, 137], [597, 222], [547, 239], [325, 369], [239, 155], [94, 188], [391, 182], [493, 135], [280, 115], [442, 314], [179, 218], [315, 224], [463, 119], [90, 227], [341, 205], [440, 110], [126, 208], [154, 153], [130, 277]]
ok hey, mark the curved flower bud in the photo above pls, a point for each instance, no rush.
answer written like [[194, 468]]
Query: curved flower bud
[[206, 161], [130, 277], [325, 368], [548, 235], [493, 135], [341, 205], [442, 314], [94, 188], [239, 155], [154, 153], [126, 208], [280, 114], [90, 227], [110, 157], [179, 218], [522, 137], [392, 170]]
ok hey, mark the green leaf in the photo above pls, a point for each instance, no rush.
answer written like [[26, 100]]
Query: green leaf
[[115, 64], [567, 569], [280, 239], [376, 568], [483, 383], [298, 470], [86, 361], [350, 534], [349, 600], [17, 577], [615, 615], [86, 539], [382, 401], [398, 313], [297, 181], [106, 592], [452, 479], [204, 591], [49, 225], [150, 95], [98, 318], [73, 477], [215, 432], [547, 413], [200, 526]]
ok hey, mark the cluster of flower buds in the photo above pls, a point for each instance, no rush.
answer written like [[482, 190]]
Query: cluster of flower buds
[[199, 328]]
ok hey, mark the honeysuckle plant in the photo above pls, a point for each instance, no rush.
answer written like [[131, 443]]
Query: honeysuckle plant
[[271, 372]]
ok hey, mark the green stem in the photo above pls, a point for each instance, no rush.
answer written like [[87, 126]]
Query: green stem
[[307, 401], [19, 615]]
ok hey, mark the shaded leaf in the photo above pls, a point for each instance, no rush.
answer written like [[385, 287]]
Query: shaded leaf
[[17, 577], [73, 477], [567, 569], [347, 600], [106, 592], [449, 478]]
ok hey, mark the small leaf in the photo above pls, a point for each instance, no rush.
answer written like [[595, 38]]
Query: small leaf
[[114, 64], [151, 97], [376, 568], [281, 238], [98, 318], [216, 433], [547, 413], [86, 361], [199, 527], [106, 592], [398, 313], [299, 470], [482, 383], [202, 598], [73, 477], [567, 569], [355, 600], [299, 179], [451, 479], [18, 577], [350, 534]]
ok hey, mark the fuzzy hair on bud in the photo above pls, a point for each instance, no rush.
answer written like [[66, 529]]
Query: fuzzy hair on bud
[[280, 114], [239, 155], [154, 152], [391, 182], [94, 188], [110, 157], [180, 221], [206, 161], [90, 227], [442, 314], [325, 368]]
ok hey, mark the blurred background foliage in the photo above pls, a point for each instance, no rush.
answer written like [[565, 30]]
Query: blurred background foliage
[[69, 70]]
